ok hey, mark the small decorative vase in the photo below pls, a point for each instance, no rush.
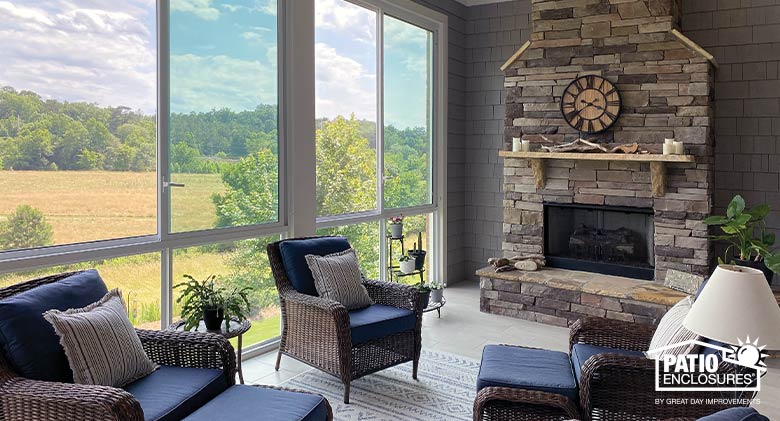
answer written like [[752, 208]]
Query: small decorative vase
[[407, 266], [425, 298], [419, 258], [397, 230], [213, 318], [437, 295]]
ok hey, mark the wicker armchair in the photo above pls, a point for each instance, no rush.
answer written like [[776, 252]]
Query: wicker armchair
[[622, 387], [317, 332]]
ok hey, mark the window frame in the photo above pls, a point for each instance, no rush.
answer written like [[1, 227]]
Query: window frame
[[297, 177]]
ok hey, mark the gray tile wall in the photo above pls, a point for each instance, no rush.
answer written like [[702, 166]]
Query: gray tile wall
[[744, 37], [493, 33]]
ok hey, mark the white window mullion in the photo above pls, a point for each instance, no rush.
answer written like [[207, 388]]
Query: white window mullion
[[380, 142]]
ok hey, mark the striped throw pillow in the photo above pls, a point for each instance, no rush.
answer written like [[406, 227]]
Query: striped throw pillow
[[671, 331], [337, 277], [100, 343]]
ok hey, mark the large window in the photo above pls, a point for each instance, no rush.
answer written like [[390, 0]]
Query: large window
[[374, 109], [223, 146], [77, 129], [148, 140]]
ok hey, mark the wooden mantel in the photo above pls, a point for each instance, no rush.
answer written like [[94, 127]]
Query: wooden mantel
[[657, 163]]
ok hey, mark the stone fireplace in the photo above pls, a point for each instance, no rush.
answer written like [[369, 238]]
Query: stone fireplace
[[632, 215]]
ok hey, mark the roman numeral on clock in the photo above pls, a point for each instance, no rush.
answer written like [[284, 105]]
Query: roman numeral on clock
[[578, 124]]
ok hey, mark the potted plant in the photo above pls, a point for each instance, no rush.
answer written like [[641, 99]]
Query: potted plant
[[418, 253], [406, 264], [397, 227], [437, 292], [211, 302], [749, 243], [425, 294]]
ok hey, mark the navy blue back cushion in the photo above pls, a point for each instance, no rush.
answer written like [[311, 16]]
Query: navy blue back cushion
[[294, 258], [28, 341]]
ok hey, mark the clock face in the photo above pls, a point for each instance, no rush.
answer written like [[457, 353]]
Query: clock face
[[590, 104]]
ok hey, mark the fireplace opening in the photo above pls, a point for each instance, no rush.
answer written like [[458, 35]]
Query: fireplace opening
[[612, 240]]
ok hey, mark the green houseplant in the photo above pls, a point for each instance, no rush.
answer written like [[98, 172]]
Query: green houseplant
[[211, 302], [425, 289], [406, 264], [749, 243]]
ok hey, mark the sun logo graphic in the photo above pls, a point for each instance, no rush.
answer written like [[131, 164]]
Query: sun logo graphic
[[704, 369]]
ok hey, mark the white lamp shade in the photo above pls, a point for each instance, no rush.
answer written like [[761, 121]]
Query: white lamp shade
[[736, 303]]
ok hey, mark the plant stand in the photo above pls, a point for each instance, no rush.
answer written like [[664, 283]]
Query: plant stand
[[237, 328], [394, 273]]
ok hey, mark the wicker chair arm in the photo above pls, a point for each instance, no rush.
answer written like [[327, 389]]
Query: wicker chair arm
[[190, 349], [610, 333], [287, 389], [393, 294], [32, 400], [543, 400]]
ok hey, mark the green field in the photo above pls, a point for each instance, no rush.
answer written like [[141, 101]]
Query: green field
[[94, 205]]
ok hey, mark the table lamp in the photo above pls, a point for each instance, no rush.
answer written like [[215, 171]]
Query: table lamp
[[735, 304]]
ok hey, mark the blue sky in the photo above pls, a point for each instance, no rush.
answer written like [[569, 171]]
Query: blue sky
[[223, 54]]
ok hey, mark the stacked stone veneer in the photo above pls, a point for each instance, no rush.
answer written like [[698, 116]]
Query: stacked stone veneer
[[666, 90], [554, 297]]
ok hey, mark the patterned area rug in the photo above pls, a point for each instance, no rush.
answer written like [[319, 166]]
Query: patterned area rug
[[444, 390]]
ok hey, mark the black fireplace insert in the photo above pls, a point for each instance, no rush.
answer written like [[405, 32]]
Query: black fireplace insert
[[612, 240]]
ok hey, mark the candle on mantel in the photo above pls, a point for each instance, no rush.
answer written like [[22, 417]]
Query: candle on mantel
[[679, 148], [517, 144], [668, 147], [526, 146]]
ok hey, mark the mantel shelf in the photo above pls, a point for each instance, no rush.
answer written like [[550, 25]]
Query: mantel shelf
[[597, 156], [657, 164]]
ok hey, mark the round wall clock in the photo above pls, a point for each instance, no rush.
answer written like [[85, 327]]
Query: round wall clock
[[590, 104]]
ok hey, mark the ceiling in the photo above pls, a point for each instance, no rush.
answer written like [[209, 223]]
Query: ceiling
[[478, 2]]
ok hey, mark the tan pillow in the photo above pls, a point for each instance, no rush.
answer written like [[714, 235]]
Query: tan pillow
[[100, 343], [670, 331], [337, 277]]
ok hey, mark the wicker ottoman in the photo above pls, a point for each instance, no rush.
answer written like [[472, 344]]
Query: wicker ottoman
[[519, 383], [247, 403]]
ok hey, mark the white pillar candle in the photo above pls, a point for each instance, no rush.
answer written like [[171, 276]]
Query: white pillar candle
[[668, 149], [526, 146], [679, 148], [669, 141], [517, 144]]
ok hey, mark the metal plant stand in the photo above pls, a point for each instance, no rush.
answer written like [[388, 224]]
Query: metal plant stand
[[394, 273]]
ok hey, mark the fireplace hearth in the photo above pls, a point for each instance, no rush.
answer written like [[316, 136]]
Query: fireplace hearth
[[612, 240]]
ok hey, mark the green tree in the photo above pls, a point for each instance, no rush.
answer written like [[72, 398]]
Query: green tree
[[25, 228], [32, 150]]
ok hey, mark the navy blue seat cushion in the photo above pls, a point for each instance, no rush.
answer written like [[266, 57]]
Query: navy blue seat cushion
[[294, 258], [172, 393], [526, 368], [736, 414], [581, 352], [378, 321], [242, 402], [28, 341]]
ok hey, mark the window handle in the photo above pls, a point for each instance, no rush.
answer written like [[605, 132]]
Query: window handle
[[167, 184]]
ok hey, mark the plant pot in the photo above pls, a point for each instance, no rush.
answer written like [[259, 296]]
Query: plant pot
[[437, 295], [425, 298], [407, 266], [396, 231], [419, 258], [213, 318], [768, 274]]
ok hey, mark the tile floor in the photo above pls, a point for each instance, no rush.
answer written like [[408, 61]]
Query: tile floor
[[463, 330]]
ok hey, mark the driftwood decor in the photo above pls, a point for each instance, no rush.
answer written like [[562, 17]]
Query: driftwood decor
[[582, 145], [528, 262]]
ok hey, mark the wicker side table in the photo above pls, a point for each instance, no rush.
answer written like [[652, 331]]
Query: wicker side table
[[237, 329]]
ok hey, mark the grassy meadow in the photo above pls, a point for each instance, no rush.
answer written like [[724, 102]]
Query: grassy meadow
[[97, 205]]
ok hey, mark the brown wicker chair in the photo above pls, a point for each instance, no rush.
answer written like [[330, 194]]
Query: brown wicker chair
[[23, 399], [316, 330], [622, 387]]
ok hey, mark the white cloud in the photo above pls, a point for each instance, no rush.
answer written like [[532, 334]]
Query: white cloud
[[200, 8], [262, 6], [101, 54], [349, 20], [344, 87], [202, 83]]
